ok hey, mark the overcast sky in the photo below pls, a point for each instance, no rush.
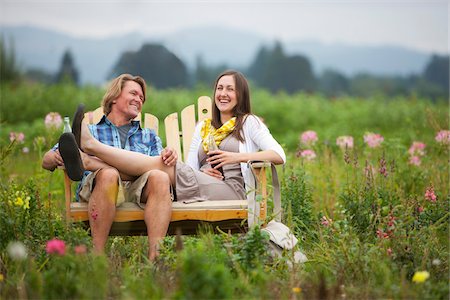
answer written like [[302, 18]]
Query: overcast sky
[[422, 25]]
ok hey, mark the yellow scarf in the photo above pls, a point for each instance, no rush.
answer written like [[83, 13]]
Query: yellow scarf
[[219, 134]]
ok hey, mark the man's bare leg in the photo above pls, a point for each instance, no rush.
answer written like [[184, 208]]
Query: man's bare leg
[[102, 207], [158, 210]]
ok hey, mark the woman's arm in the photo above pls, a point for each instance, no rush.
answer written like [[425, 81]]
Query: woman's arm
[[192, 159], [259, 145]]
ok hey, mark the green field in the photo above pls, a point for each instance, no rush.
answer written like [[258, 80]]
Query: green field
[[367, 218]]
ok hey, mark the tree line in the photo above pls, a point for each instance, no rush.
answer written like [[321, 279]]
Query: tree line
[[271, 69]]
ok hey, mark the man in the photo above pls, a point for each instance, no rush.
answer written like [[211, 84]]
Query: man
[[103, 187]]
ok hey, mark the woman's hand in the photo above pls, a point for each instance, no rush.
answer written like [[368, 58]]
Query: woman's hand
[[220, 158], [213, 173]]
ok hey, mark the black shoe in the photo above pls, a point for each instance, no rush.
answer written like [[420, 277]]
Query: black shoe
[[76, 124], [70, 154]]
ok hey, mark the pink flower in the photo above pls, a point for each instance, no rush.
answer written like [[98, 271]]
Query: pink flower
[[17, 136], [326, 221], [344, 141], [389, 251], [309, 137], [430, 195], [417, 149], [415, 160], [381, 234], [373, 140], [56, 246], [308, 154], [420, 209], [80, 249], [443, 137], [53, 120]]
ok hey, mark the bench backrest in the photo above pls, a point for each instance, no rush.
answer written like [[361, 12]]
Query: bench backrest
[[180, 140]]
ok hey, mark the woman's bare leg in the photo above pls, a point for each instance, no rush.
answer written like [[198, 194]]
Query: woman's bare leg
[[128, 162]]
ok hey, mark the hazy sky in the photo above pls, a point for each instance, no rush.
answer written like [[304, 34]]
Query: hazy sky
[[423, 25]]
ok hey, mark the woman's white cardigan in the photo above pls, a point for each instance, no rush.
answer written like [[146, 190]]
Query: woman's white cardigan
[[257, 137]]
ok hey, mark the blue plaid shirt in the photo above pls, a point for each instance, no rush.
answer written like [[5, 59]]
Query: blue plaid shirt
[[140, 140]]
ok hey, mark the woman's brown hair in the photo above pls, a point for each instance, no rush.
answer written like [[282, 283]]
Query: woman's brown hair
[[241, 110]]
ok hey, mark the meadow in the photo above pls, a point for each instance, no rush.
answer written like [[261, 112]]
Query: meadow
[[365, 190]]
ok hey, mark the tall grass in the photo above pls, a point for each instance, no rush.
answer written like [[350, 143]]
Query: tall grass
[[361, 215]]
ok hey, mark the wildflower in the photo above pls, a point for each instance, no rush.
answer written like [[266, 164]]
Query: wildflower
[[17, 136], [443, 137], [389, 251], [309, 137], [19, 201], [420, 209], [345, 142], [430, 195], [417, 149], [415, 160], [17, 251], [53, 120], [420, 276], [391, 222], [381, 234], [308, 154], [296, 289], [25, 150], [436, 262], [56, 246], [80, 249], [326, 221], [383, 170], [373, 140], [1, 277]]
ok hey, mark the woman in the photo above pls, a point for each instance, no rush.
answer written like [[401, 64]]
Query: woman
[[240, 136]]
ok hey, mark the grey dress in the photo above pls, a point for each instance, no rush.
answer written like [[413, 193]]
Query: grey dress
[[193, 185]]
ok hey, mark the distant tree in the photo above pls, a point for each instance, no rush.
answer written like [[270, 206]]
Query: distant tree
[[157, 65], [9, 69], [276, 71], [67, 71], [436, 73], [38, 75], [333, 84], [259, 65], [207, 74]]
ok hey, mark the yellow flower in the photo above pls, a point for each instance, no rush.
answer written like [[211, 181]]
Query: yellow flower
[[26, 204], [296, 290], [18, 202], [420, 276], [1, 277]]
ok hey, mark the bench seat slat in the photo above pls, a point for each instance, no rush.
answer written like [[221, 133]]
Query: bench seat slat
[[203, 211]]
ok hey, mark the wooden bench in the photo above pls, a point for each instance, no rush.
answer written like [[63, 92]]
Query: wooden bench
[[229, 216]]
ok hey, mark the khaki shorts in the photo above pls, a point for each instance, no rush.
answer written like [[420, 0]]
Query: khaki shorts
[[129, 191]]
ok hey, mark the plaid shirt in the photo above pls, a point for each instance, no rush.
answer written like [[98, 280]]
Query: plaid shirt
[[140, 140]]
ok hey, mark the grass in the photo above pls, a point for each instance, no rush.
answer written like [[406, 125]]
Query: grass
[[362, 215]]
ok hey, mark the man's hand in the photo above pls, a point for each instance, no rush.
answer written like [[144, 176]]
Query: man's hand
[[213, 173], [51, 160], [169, 156]]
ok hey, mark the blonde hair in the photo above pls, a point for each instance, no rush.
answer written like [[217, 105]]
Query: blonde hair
[[115, 89]]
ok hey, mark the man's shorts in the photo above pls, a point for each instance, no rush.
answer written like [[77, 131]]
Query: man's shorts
[[129, 191]]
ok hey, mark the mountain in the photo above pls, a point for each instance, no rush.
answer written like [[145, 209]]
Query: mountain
[[94, 58]]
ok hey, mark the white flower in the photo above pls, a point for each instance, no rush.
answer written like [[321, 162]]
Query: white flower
[[17, 250]]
